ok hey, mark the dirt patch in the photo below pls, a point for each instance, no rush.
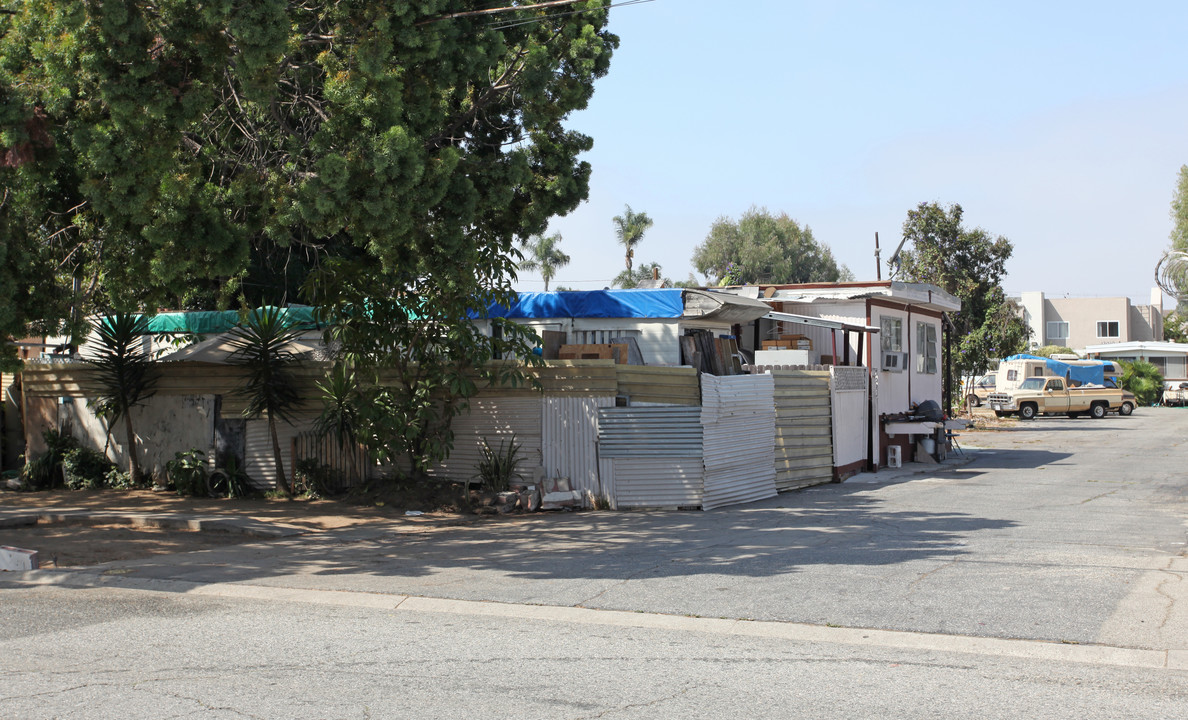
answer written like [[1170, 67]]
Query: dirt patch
[[60, 545], [320, 514], [74, 544]]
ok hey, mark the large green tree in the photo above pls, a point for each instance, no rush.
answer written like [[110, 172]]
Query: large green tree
[[969, 264], [174, 153], [406, 359], [1179, 212], [1171, 273], [764, 248]]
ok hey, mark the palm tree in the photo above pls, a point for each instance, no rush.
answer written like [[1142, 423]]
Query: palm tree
[[125, 374], [270, 386], [629, 230], [546, 257]]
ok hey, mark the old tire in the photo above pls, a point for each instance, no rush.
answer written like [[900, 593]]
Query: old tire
[[1074, 415], [1126, 408], [1097, 411], [973, 401], [1000, 413], [1027, 411]]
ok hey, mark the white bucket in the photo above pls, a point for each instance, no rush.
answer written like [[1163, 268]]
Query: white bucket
[[928, 445]]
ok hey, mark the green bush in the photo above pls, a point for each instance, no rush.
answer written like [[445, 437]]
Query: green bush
[[44, 471], [1143, 379], [118, 479], [187, 472], [312, 479], [85, 469]]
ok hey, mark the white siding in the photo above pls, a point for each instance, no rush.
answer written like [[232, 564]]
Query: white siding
[[926, 386], [258, 455], [851, 418], [893, 393]]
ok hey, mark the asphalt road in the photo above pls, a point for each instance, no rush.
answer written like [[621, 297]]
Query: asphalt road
[[1046, 578]]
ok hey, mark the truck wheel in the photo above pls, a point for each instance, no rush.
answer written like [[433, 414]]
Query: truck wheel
[[973, 401], [1097, 411], [1126, 409], [1027, 411]]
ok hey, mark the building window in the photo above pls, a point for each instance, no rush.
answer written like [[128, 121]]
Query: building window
[[1057, 330], [926, 348], [891, 334], [1107, 329]]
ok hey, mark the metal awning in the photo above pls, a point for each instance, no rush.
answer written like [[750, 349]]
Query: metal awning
[[819, 322]]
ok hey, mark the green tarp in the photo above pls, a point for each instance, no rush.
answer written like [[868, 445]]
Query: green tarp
[[215, 322]]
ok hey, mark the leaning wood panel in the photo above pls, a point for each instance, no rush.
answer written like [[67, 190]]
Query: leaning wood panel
[[804, 436], [669, 385]]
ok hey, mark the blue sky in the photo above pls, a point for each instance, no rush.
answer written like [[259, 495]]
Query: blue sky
[[1060, 125]]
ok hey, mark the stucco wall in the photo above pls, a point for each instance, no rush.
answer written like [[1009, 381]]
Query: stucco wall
[[166, 425]]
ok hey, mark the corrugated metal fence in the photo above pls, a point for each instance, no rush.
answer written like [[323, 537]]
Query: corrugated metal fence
[[653, 454], [738, 425]]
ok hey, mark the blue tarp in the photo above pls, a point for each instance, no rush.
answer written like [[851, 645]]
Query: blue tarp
[[1084, 374], [658, 303]]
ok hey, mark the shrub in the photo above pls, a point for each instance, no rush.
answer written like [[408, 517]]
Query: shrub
[[1143, 379], [85, 469], [117, 479], [187, 472], [312, 479], [230, 480], [498, 467], [44, 471]]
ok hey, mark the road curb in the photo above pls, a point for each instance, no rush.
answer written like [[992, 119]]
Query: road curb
[[244, 526]]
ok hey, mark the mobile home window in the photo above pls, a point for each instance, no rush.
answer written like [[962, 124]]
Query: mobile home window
[[1107, 329], [926, 348], [1057, 330], [891, 334]]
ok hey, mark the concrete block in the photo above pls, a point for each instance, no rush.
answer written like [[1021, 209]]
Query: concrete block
[[558, 500], [16, 559]]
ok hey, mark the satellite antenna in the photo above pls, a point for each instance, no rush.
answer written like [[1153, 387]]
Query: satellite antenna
[[893, 263]]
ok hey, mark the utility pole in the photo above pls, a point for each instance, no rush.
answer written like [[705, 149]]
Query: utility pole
[[878, 261]]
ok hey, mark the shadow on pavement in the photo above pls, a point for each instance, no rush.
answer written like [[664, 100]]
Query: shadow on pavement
[[828, 525]]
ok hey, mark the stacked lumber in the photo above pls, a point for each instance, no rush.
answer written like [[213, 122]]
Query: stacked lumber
[[710, 355]]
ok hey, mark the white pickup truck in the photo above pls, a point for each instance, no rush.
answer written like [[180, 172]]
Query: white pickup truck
[[1051, 396]]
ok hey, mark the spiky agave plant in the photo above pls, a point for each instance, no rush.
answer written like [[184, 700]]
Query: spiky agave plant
[[125, 375]]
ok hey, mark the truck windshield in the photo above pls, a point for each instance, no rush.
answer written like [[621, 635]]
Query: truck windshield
[[1034, 383]]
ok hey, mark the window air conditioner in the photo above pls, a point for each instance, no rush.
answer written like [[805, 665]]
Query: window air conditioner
[[894, 361]]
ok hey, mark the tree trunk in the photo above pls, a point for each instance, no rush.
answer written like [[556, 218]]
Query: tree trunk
[[133, 461], [282, 483]]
